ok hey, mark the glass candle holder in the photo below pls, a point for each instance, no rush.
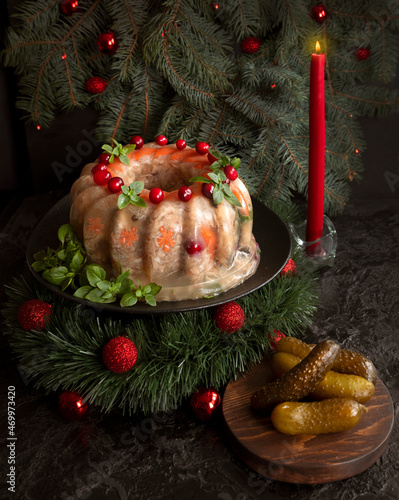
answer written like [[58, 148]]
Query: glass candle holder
[[320, 252]]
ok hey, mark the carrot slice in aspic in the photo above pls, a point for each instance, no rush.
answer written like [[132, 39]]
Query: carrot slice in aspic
[[240, 197], [210, 239]]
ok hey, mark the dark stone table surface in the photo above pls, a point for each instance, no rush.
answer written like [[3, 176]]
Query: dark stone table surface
[[174, 456]]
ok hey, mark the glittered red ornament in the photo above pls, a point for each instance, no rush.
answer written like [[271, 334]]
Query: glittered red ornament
[[95, 85], [119, 354], [69, 7], [204, 402], [318, 13], [71, 405], [290, 267], [362, 53], [107, 43], [275, 338], [250, 45], [34, 314], [229, 317]]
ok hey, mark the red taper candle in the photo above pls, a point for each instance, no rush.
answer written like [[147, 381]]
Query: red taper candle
[[317, 139]]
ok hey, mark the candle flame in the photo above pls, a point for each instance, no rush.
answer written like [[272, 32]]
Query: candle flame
[[318, 48]]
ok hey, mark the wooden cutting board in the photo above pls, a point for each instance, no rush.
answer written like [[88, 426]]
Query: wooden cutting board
[[306, 459]]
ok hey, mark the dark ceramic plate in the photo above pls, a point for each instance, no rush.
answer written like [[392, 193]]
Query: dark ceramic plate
[[270, 232]]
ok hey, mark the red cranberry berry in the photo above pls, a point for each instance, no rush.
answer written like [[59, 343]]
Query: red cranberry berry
[[185, 193], [102, 177], [139, 141], [161, 140], [193, 247], [207, 190], [202, 148], [181, 144], [115, 184], [98, 167], [230, 172], [156, 195], [211, 158], [104, 158]]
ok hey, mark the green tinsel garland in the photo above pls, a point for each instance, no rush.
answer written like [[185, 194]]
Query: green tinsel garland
[[178, 352]]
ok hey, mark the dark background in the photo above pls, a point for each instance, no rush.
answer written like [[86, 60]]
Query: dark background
[[30, 158]]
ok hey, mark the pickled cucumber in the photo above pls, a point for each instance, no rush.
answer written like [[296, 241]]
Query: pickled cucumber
[[333, 385], [319, 417], [298, 382], [349, 362]]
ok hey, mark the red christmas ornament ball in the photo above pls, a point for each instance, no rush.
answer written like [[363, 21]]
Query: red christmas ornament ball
[[119, 354], [107, 43], [71, 405], [362, 53], [34, 314], [69, 7], [229, 317], [204, 403], [290, 267], [95, 85], [275, 338], [318, 13], [250, 45]]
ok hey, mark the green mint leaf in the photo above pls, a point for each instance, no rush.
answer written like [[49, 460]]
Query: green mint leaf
[[218, 196], [107, 295], [111, 158], [62, 254], [125, 189], [123, 201], [65, 284], [128, 299], [123, 276], [137, 187], [215, 153], [96, 295], [155, 289], [147, 289], [140, 202], [216, 165], [231, 198], [82, 291], [124, 159], [64, 231], [235, 162], [56, 275], [116, 142], [95, 274], [129, 148], [39, 266], [199, 178], [42, 254], [103, 285], [150, 300], [76, 262], [107, 148]]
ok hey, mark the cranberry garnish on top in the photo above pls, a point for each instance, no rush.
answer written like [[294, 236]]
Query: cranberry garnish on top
[[138, 141]]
